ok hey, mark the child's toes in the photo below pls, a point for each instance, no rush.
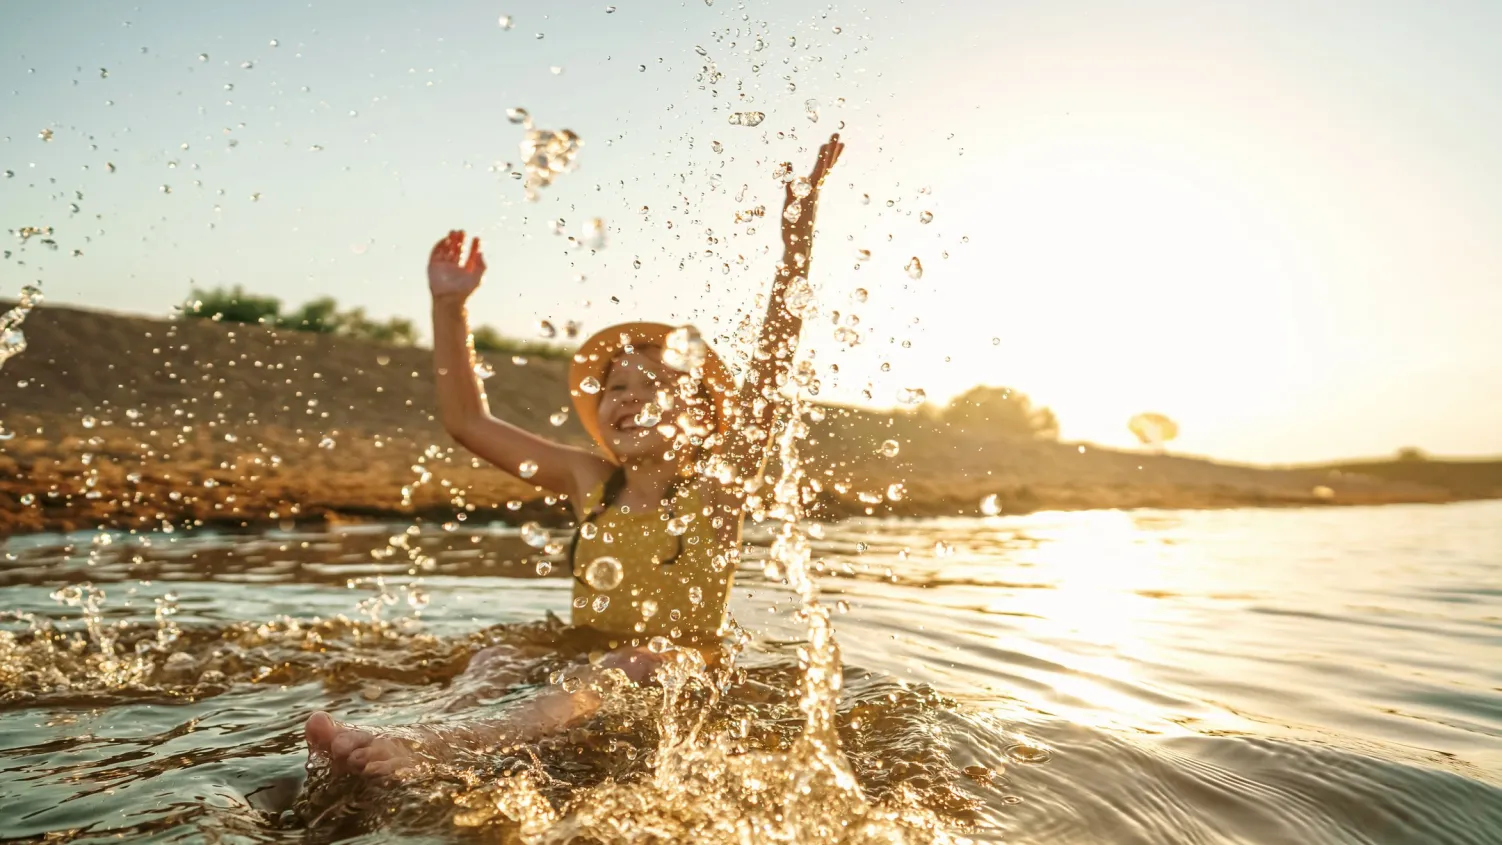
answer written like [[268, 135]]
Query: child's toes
[[320, 730], [358, 758], [347, 742], [380, 769]]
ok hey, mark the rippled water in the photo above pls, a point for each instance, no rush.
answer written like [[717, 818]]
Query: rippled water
[[1252, 676]]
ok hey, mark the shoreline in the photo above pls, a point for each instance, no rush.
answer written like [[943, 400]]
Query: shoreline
[[188, 423]]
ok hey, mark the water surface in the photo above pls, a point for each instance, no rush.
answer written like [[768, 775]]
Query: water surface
[[1239, 676]]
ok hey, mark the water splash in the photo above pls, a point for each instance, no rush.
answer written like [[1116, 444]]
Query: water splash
[[545, 153], [685, 350], [12, 340]]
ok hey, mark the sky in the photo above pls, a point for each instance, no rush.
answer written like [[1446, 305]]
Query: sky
[[1274, 222]]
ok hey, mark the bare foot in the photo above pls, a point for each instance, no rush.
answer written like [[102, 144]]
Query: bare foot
[[356, 750]]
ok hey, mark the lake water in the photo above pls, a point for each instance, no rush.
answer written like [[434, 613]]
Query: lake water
[[1239, 676]]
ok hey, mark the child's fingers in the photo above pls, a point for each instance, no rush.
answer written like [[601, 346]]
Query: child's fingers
[[474, 254]]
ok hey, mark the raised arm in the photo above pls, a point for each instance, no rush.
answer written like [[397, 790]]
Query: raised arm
[[775, 349], [461, 399]]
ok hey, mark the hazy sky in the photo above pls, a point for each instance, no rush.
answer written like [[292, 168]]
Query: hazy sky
[[1276, 222]]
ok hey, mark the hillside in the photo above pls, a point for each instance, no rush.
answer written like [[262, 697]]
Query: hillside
[[128, 422]]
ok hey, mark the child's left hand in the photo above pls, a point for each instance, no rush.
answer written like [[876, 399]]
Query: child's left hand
[[797, 232]]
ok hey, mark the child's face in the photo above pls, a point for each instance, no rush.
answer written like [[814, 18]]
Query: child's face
[[636, 380]]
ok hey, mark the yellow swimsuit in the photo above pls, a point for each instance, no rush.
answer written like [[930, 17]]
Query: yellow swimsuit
[[683, 599]]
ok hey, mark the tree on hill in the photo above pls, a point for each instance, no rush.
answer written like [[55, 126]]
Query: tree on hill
[[999, 409], [1153, 429]]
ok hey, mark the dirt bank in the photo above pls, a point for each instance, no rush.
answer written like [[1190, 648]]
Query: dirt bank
[[128, 422]]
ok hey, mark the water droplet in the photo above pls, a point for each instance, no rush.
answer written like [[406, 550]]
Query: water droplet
[[859, 295], [558, 418], [590, 385], [1025, 753], [811, 110], [600, 603], [995, 341], [604, 573], [678, 526], [556, 70], [46, 134], [747, 118], [588, 530], [792, 212], [798, 296], [609, 10], [890, 448], [535, 535], [27, 498], [544, 567], [925, 217], [580, 602], [483, 370], [519, 115], [695, 595], [659, 645], [326, 443], [912, 396], [648, 608], [505, 22], [527, 469], [895, 492], [914, 268], [89, 422], [594, 233], [802, 187], [990, 505], [573, 683], [203, 57]]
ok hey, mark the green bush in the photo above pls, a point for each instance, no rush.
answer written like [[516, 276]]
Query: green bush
[[233, 306], [322, 315], [487, 339]]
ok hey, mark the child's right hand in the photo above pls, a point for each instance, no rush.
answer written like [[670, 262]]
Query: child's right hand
[[447, 277]]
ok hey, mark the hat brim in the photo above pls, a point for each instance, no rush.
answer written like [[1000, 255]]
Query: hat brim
[[595, 356]]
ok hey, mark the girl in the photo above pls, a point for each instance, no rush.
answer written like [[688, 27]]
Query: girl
[[660, 511]]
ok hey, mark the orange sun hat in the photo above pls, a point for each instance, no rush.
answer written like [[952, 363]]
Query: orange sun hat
[[595, 356]]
